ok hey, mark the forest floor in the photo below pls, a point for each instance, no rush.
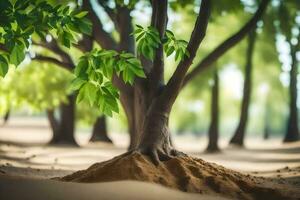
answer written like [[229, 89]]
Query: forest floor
[[27, 164]]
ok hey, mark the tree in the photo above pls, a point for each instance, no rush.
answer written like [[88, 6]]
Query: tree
[[132, 98], [6, 117], [267, 116], [287, 13], [65, 125], [145, 97], [292, 132], [239, 135], [99, 132], [213, 132], [24, 20], [46, 96]]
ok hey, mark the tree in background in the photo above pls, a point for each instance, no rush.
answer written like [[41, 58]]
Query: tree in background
[[87, 116], [99, 133], [22, 21], [46, 96], [213, 132], [290, 28], [238, 137], [292, 132]]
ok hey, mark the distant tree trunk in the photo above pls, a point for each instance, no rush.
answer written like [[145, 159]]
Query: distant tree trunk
[[213, 133], [66, 128], [6, 117], [292, 132], [266, 132], [267, 119], [239, 135], [99, 133], [54, 124]]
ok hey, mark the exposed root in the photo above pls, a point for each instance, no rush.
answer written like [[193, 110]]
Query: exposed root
[[158, 155]]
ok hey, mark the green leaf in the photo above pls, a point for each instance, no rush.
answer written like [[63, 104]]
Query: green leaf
[[171, 44], [139, 26], [81, 68], [140, 36], [170, 51], [81, 14], [147, 41], [177, 55], [85, 26], [91, 92], [81, 95], [3, 66], [17, 55], [77, 83], [139, 72], [170, 34]]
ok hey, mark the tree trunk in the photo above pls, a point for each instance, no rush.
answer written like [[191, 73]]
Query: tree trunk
[[239, 135], [213, 133], [67, 124], [155, 134], [267, 118], [99, 133], [266, 132], [54, 124], [292, 132], [6, 117]]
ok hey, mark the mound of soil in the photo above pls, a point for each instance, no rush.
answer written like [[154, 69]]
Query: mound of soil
[[183, 173]]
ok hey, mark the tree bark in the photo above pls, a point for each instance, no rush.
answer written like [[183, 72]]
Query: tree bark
[[66, 127], [213, 133], [239, 135], [155, 136], [99, 133], [267, 129], [54, 124], [155, 140], [292, 132], [266, 132], [6, 117]]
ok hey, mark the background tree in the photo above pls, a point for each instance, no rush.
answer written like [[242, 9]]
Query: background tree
[[238, 137], [213, 132], [287, 13], [99, 132]]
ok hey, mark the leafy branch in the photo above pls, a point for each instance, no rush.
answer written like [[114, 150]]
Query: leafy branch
[[94, 74], [148, 41], [20, 20], [171, 45]]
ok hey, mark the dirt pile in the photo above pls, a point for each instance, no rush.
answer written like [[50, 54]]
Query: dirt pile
[[184, 173]]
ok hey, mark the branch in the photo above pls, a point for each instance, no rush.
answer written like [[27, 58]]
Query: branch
[[55, 48], [173, 86], [85, 44], [41, 58], [127, 42], [102, 37], [227, 44], [108, 10], [159, 21]]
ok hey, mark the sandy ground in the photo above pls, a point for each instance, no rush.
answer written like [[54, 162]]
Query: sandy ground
[[27, 163]]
